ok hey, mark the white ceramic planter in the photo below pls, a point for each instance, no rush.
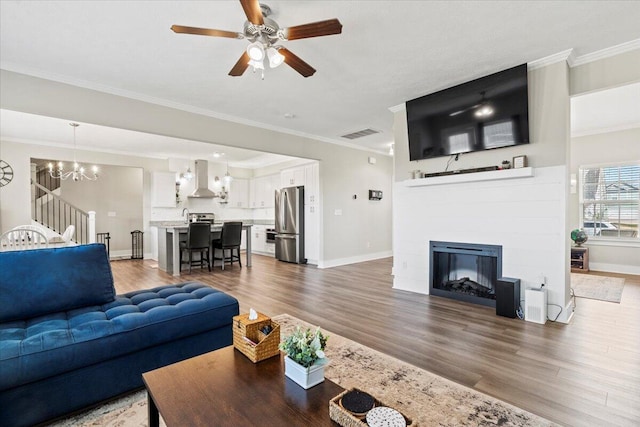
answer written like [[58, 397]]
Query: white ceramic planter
[[304, 377]]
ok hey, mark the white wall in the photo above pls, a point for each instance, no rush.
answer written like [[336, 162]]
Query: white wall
[[344, 171], [526, 216], [610, 147], [116, 197], [522, 215]]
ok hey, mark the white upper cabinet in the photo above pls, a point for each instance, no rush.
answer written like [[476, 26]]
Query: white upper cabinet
[[262, 191], [239, 193], [292, 177], [163, 189]]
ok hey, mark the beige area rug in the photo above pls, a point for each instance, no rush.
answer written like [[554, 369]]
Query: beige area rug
[[427, 399], [602, 288]]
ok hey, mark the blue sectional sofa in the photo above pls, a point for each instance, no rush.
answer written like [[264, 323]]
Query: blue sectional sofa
[[67, 341]]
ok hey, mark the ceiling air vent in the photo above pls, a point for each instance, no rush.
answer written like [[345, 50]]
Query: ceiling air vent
[[360, 134]]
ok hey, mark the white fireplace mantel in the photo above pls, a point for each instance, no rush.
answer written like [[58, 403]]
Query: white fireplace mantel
[[471, 177]]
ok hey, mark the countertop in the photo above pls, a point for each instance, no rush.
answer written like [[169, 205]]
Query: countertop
[[181, 223]]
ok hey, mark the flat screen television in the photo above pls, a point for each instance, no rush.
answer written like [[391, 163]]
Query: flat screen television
[[486, 113]]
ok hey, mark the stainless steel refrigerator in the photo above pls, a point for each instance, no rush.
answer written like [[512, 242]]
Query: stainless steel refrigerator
[[290, 225]]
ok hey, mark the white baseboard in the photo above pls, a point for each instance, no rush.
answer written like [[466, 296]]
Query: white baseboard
[[564, 317], [354, 260], [615, 268], [125, 254]]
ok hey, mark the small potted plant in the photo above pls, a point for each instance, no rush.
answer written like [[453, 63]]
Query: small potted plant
[[305, 358]]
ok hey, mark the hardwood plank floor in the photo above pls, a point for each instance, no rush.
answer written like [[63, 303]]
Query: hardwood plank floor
[[586, 373]]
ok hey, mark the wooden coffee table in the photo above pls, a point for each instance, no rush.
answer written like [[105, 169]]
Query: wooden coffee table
[[224, 388]]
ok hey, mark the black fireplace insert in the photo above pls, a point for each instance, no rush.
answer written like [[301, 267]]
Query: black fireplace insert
[[465, 271]]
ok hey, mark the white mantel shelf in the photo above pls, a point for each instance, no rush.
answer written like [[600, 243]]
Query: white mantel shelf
[[471, 177]]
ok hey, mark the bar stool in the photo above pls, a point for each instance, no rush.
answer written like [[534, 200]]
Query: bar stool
[[198, 240], [230, 239]]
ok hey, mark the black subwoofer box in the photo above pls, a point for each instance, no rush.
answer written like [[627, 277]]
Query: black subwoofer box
[[507, 296]]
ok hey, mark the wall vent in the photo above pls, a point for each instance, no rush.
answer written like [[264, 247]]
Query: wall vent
[[360, 133], [535, 305]]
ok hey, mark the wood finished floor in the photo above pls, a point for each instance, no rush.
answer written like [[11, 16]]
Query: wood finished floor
[[586, 373]]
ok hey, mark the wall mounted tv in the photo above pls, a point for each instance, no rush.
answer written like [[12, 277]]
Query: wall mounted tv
[[490, 112]]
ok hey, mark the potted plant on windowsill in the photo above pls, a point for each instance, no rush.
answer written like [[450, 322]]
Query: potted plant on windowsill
[[305, 360]]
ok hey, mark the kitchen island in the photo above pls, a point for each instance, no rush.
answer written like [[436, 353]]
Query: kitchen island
[[169, 234]]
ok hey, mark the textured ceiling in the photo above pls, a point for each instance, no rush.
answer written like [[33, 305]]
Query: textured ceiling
[[389, 52]]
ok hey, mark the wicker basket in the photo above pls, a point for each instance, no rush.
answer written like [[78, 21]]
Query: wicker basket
[[251, 342], [347, 419]]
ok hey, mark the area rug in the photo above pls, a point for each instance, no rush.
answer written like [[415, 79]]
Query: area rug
[[427, 399], [602, 288]]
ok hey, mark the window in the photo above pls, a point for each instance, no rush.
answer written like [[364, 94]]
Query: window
[[609, 200], [499, 134]]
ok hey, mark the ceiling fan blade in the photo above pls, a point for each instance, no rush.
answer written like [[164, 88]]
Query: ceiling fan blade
[[296, 63], [314, 29], [241, 66], [253, 11], [206, 32]]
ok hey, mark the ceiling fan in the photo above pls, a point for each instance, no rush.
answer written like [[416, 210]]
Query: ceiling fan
[[264, 34]]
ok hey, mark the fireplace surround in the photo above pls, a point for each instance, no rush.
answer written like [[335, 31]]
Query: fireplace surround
[[465, 271]]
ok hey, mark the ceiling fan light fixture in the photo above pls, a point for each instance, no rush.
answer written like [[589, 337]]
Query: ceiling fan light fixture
[[255, 51], [484, 111], [257, 65], [275, 57]]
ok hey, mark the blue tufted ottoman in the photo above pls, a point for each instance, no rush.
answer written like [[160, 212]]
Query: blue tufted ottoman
[[56, 362]]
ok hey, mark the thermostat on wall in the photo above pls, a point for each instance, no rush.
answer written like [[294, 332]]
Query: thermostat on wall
[[375, 195]]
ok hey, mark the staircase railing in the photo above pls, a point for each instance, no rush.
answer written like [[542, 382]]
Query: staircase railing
[[44, 178], [57, 214]]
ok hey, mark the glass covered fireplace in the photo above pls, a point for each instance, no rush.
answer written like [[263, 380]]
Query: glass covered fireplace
[[465, 271]]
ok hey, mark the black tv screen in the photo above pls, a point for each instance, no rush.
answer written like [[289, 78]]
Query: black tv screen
[[490, 112]]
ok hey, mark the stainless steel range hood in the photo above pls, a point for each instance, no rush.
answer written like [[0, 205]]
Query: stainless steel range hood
[[202, 181]]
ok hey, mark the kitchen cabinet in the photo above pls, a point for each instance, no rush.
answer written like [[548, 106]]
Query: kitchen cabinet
[[292, 177], [311, 233], [239, 193], [258, 237], [259, 240], [311, 184], [163, 189], [270, 248], [312, 212], [262, 191]]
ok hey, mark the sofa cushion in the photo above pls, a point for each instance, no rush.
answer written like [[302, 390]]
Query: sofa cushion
[[43, 281], [48, 345]]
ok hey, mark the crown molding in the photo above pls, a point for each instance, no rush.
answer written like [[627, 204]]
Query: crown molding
[[548, 60], [606, 53], [399, 107], [573, 60], [84, 149], [15, 68]]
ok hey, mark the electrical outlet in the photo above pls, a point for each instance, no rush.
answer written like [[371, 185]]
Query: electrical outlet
[[368, 244], [404, 265]]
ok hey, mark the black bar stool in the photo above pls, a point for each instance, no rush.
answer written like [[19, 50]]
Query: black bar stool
[[230, 240], [198, 240]]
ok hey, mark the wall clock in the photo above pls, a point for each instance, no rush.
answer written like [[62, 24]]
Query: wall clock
[[6, 173]]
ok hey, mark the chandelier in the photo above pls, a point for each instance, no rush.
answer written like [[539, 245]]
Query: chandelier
[[78, 173]]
